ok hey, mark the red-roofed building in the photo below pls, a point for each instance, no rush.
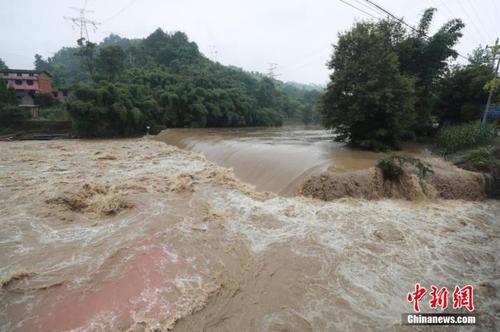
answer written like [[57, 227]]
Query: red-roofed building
[[27, 83]]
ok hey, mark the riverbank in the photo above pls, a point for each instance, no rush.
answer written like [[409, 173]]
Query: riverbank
[[445, 181], [135, 234]]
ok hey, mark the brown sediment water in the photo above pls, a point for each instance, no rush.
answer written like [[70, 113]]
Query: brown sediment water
[[140, 235], [273, 159], [305, 160]]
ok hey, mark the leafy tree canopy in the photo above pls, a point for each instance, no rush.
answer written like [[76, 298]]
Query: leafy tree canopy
[[182, 87], [384, 77], [3, 66]]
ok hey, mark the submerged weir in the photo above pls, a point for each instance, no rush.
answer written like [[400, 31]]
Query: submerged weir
[[139, 235], [305, 160], [276, 159]]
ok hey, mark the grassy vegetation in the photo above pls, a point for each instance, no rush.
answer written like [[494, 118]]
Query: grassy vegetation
[[481, 157], [392, 166], [56, 113], [470, 135], [6, 131]]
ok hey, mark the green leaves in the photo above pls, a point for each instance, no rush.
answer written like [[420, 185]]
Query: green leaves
[[393, 167], [3, 66], [455, 138], [369, 102], [460, 95], [384, 78], [170, 83], [111, 62], [108, 109]]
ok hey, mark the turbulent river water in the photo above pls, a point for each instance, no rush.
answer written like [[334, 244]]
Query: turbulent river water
[[275, 159], [139, 235]]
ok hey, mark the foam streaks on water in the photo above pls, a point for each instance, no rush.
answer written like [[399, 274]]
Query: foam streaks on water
[[272, 159], [194, 249]]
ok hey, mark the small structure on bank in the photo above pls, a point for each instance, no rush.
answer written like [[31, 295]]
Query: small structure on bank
[[27, 84]]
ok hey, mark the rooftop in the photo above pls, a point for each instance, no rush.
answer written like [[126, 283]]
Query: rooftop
[[27, 71]]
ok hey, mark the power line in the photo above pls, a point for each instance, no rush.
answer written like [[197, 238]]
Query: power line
[[391, 15], [494, 12], [448, 9], [471, 20], [479, 18], [306, 58], [361, 10], [118, 13], [369, 7], [404, 22], [497, 11]]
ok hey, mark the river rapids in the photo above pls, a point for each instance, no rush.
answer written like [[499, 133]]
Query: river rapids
[[138, 235]]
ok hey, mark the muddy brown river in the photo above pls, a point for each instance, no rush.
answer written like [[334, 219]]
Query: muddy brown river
[[139, 235], [274, 159]]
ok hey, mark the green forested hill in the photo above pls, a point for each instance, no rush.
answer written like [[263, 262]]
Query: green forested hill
[[123, 85]]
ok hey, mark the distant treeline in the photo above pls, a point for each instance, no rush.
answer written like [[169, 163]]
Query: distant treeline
[[122, 85]]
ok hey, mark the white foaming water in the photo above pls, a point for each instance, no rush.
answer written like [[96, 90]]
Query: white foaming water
[[272, 159], [197, 250]]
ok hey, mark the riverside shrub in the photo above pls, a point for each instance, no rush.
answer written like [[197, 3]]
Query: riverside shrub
[[392, 166]]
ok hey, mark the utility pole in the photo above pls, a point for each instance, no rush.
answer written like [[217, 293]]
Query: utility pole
[[271, 73], [490, 95], [82, 22]]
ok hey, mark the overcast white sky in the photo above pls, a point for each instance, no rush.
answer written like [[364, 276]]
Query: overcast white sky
[[295, 34]]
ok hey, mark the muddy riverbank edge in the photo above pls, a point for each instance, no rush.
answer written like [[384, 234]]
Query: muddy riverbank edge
[[445, 182]]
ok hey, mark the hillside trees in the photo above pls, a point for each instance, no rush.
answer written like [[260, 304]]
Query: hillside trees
[[184, 88], [108, 109], [111, 62], [3, 66], [309, 112]]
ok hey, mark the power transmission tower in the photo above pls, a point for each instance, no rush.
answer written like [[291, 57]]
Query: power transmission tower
[[82, 22], [214, 51], [490, 95], [272, 71]]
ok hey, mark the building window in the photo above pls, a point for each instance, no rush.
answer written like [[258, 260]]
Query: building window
[[30, 82], [18, 82], [31, 74], [19, 74]]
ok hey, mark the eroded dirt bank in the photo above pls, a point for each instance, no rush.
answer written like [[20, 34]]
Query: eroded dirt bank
[[446, 181], [136, 234]]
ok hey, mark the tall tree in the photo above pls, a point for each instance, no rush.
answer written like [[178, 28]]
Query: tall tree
[[3, 66], [86, 52], [425, 58], [111, 61], [368, 101], [41, 64]]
